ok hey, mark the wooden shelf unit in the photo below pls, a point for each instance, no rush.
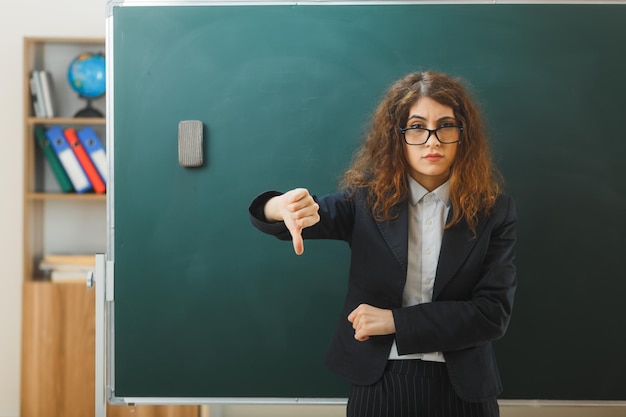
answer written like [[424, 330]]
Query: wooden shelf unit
[[58, 319]]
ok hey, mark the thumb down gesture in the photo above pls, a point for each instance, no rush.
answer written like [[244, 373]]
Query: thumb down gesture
[[298, 210]]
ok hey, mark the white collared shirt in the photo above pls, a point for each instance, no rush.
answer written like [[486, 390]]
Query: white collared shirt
[[428, 212]]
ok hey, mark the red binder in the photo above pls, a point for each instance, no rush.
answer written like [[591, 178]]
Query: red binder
[[92, 173]]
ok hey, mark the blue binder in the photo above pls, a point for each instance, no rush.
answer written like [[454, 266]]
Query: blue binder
[[68, 159], [92, 144]]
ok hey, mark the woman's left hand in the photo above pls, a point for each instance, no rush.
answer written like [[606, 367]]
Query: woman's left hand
[[371, 321]]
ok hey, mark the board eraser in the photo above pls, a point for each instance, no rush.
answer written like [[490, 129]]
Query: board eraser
[[190, 143]]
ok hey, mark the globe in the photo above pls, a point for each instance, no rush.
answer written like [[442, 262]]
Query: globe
[[86, 76]]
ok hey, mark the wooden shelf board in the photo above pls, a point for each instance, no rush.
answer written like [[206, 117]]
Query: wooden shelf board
[[65, 196], [66, 120]]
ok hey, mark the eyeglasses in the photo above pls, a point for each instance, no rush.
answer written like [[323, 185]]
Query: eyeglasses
[[414, 135]]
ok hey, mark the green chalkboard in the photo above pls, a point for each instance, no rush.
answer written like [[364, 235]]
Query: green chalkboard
[[205, 306]]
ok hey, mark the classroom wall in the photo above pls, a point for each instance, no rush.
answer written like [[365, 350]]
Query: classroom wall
[[59, 18], [20, 18]]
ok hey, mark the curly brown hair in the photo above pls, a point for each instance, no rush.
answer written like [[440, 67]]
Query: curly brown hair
[[380, 163]]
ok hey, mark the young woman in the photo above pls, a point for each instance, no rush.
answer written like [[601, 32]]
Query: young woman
[[432, 239]]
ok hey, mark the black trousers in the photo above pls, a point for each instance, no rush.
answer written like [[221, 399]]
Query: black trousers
[[414, 388]]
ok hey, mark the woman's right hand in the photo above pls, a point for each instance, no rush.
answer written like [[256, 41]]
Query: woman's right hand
[[297, 209]]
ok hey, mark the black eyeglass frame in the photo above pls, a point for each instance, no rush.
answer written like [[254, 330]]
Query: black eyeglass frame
[[430, 132]]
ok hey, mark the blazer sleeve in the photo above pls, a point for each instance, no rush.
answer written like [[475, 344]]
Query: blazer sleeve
[[475, 306], [258, 220], [336, 218]]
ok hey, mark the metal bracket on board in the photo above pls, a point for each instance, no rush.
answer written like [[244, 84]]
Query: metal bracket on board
[[102, 280], [100, 276]]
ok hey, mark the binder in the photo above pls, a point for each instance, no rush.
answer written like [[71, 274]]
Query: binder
[[37, 94], [53, 160], [92, 144], [89, 168], [68, 159]]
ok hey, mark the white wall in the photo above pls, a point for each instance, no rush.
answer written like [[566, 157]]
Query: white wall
[[85, 18], [20, 18]]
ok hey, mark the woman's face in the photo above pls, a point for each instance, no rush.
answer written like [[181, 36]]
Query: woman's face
[[429, 164]]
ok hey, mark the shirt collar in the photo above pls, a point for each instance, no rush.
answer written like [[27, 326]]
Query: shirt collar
[[418, 192]]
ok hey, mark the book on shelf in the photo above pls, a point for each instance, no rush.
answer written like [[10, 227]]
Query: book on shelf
[[36, 93], [67, 267], [54, 260], [68, 276], [68, 159], [53, 160], [46, 88], [41, 93], [85, 161]]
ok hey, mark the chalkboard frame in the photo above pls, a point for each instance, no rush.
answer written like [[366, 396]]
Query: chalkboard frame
[[106, 351]]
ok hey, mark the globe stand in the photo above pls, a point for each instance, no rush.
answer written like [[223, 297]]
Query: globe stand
[[89, 110]]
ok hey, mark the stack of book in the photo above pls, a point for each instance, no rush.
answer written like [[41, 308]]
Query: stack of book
[[67, 267], [76, 157]]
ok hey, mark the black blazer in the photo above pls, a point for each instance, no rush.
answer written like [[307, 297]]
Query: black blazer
[[472, 296]]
